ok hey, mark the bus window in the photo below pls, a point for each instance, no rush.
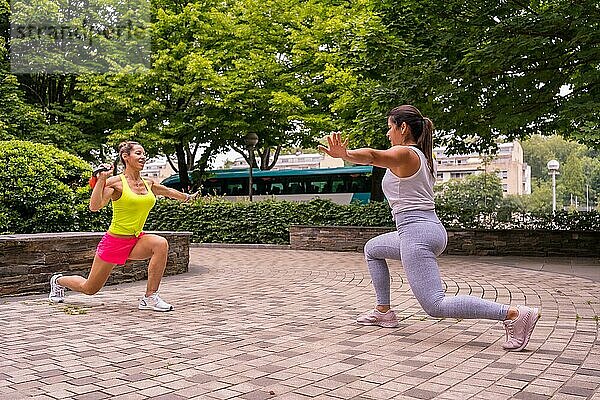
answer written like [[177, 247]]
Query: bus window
[[359, 184], [338, 185], [295, 185], [276, 188], [235, 189], [317, 185], [212, 187]]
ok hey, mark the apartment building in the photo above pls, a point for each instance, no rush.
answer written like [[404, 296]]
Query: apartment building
[[508, 163], [157, 169], [297, 161]]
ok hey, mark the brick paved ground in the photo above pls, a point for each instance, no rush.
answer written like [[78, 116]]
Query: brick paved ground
[[262, 324]]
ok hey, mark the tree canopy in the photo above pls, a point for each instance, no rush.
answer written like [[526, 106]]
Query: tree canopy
[[292, 70]]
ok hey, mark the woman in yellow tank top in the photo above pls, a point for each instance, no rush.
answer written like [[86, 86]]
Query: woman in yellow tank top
[[132, 199]]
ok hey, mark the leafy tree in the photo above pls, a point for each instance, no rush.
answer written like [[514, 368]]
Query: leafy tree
[[481, 70], [538, 150], [579, 166], [540, 198], [527, 68], [273, 76], [572, 180], [17, 118], [171, 108], [463, 200]]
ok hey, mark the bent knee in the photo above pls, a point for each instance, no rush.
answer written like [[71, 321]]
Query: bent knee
[[434, 312], [90, 290], [369, 249], [161, 245], [434, 309]]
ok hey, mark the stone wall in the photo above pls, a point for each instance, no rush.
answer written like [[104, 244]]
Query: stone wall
[[28, 261], [531, 243]]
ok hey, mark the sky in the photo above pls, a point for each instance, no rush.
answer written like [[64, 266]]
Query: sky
[[221, 158]]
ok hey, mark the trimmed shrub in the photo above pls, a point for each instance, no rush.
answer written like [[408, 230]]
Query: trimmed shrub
[[37, 187], [213, 220], [220, 221]]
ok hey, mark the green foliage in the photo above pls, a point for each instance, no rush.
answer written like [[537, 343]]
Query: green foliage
[[217, 220], [37, 187], [462, 200], [579, 172], [479, 69], [540, 199], [17, 118]]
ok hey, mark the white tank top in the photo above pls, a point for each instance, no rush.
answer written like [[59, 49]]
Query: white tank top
[[411, 193]]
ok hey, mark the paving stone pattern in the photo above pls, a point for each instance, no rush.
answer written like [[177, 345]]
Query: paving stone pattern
[[260, 324]]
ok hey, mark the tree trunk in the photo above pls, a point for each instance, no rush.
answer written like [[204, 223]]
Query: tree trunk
[[376, 191], [184, 179]]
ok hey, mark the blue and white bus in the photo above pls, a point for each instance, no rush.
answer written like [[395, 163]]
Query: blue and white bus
[[341, 185]]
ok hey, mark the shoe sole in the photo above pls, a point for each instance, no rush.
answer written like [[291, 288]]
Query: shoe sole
[[55, 301], [155, 309], [381, 324], [537, 315]]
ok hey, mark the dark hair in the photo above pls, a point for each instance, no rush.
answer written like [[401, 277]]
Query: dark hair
[[124, 148], [421, 129]]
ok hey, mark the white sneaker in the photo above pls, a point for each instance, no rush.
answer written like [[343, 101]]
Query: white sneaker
[[57, 292], [154, 303]]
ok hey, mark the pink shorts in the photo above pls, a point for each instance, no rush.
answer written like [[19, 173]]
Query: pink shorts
[[114, 249]]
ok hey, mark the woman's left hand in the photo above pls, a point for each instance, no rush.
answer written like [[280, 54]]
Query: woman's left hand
[[337, 148], [192, 197]]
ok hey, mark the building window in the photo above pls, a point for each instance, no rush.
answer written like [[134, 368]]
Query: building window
[[504, 187], [459, 175], [503, 174]]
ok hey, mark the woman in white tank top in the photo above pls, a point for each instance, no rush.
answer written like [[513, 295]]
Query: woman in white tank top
[[420, 236]]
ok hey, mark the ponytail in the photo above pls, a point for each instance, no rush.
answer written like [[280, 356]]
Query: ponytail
[[425, 143], [421, 129]]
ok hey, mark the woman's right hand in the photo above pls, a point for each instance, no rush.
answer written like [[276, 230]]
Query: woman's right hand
[[104, 175], [337, 148]]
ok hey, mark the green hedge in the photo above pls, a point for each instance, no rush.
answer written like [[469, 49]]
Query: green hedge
[[219, 221], [38, 186], [44, 189]]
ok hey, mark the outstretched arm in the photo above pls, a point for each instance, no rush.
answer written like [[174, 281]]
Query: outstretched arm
[[390, 158], [161, 190]]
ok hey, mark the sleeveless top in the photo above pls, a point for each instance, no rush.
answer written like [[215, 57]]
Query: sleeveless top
[[411, 193], [131, 210]]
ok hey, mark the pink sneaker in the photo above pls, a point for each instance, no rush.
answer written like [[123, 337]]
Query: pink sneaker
[[518, 331], [375, 317]]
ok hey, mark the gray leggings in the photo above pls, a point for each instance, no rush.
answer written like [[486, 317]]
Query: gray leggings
[[419, 239]]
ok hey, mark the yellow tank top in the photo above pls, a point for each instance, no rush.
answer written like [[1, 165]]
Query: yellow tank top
[[131, 210]]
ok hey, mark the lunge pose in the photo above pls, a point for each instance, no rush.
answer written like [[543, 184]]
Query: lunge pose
[[132, 199], [420, 237]]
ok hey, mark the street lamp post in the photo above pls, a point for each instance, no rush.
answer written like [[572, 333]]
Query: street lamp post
[[251, 139], [553, 166]]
